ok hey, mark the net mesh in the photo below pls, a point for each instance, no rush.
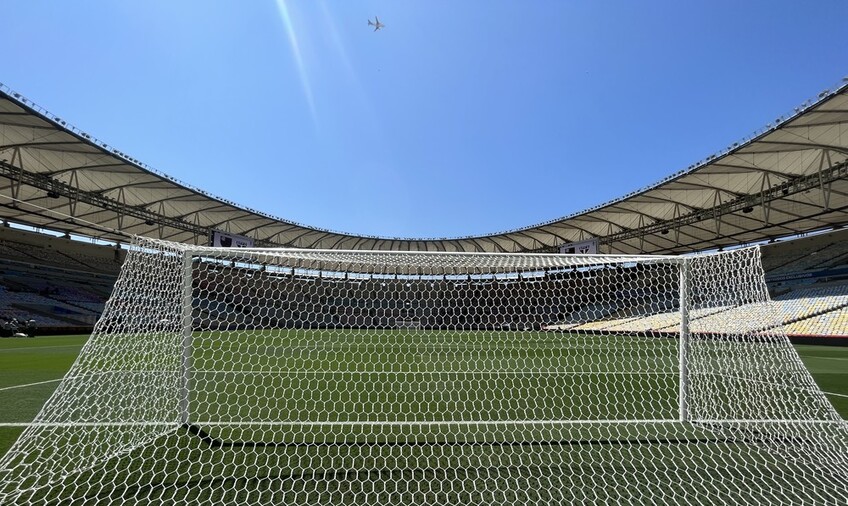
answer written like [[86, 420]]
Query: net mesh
[[321, 377]]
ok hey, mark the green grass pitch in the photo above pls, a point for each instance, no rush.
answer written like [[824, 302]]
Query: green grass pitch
[[30, 369]]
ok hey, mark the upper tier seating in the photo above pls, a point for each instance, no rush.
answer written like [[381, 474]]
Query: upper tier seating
[[807, 253]]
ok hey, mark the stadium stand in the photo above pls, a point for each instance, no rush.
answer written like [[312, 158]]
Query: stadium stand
[[63, 284], [832, 323], [808, 302], [60, 283], [806, 254], [808, 278]]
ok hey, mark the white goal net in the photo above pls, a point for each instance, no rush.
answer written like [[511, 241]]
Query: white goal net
[[259, 376]]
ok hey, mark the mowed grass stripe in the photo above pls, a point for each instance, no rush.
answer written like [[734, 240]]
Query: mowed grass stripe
[[348, 474], [828, 368], [423, 397], [424, 376], [46, 358], [24, 361]]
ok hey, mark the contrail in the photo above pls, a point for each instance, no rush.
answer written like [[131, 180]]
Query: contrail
[[298, 58]]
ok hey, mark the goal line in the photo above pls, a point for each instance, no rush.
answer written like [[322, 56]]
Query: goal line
[[424, 423], [214, 442]]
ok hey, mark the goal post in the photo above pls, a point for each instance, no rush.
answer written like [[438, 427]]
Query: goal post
[[187, 322], [286, 376], [683, 341]]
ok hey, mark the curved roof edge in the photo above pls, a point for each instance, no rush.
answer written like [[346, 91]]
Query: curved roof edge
[[45, 161]]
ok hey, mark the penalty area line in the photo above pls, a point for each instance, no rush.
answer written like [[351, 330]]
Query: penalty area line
[[25, 348], [31, 384], [836, 394], [823, 358]]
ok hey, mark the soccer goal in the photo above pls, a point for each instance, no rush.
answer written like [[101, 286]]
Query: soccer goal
[[282, 376], [408, 323]]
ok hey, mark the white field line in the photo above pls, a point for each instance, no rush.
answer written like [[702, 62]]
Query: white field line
[[392, 423], [823, 358], [43, 347], [31, 384], [834, 393], [425, 423], [88, 375], [494, 345], [482, 373], [803, 389]]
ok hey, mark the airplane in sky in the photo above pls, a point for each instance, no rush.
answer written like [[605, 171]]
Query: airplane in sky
[[376, 23]]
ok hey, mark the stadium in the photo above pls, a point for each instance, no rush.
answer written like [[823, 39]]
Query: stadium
[[681, 344]]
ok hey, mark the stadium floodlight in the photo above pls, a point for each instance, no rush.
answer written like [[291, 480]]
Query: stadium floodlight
[[284, 376]]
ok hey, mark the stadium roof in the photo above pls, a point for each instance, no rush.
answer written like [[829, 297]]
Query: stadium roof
[[788, 179]]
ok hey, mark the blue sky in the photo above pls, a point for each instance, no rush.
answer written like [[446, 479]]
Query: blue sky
[[459, 118]]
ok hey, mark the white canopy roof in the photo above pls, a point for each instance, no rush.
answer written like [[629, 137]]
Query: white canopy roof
[[788, 179]]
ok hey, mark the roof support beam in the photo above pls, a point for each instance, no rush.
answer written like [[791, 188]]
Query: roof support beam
[[633, 211], [17, 175], [745, 169], [708, 187], [801, 146], [794, 185], [93, 168], [73, 182], [716, 214], [825, 193], [98, 201], [662, 199], [766, 203], [37, 145]]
